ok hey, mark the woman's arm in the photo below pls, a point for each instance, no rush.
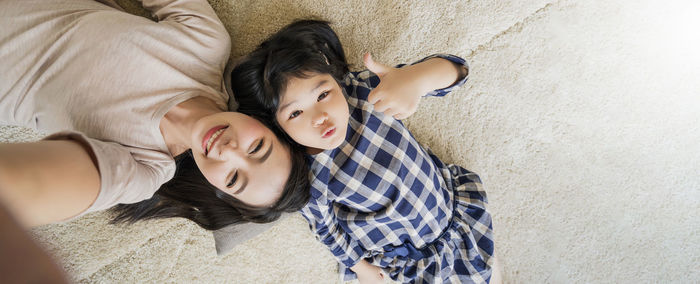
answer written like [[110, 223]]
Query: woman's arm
[[202, 31], [47, 181], [22, 260], [182, 11]]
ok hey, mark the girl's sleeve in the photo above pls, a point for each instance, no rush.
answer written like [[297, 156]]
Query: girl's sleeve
[[455, 60], [359, 84], [323, 222]]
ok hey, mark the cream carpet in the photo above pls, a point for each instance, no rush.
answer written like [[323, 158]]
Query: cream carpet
[[582, 118]]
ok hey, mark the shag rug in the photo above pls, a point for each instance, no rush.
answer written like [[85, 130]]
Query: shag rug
[[580, 116]]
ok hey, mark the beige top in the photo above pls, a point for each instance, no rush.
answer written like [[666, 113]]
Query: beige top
[[86, 71]]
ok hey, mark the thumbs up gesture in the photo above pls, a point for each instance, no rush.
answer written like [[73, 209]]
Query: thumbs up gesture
[[399, 91]]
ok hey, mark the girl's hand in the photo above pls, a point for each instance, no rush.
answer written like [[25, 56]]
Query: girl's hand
[[367, 273], [400, 89]]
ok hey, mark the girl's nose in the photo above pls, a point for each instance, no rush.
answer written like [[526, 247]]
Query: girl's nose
[[320, 119]]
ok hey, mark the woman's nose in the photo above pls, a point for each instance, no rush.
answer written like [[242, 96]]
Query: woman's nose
[[230, 143], [229, 149], [320, 119]]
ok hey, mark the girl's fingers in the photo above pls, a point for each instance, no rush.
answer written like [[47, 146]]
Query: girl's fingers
[[390, 112], [374, 96], [400, 116], [375, 67], [381, 106]]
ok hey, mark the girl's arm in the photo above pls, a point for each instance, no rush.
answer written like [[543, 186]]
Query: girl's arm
[[319, 212], [47, 181], [400, 89]]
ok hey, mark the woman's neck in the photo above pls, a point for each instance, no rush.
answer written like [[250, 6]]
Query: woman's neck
[[177, 124]]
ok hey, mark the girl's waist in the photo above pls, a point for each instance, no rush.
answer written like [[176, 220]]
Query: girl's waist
[[398, 233], [414, 245]]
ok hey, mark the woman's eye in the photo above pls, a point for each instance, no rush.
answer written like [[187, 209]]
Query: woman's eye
[[257, 147], [322, 96], [295, 114], [233, 180]]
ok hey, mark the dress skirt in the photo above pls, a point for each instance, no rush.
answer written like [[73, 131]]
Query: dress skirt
[[461, 254]]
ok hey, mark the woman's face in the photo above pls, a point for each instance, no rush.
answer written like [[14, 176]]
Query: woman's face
[[241, 157], [314, 111]]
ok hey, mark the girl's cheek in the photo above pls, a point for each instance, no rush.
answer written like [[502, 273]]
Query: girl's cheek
[[299, 134]]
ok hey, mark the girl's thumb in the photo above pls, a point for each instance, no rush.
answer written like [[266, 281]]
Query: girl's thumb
[[374, 66]]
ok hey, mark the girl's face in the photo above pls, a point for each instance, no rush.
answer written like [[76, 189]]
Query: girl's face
[[241, 157], [314, 112]]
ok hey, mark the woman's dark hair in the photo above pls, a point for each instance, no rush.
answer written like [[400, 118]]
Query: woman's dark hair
[[299, 50], [189, 195]]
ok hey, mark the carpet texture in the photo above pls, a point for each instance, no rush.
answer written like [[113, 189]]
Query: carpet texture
[[582, 118]]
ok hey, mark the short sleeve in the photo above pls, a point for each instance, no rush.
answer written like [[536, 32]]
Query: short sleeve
[[123, 179]]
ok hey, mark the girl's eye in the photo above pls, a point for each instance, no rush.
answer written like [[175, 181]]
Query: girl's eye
[[233, 180], [295, 114], [322, 96], [258, 147]]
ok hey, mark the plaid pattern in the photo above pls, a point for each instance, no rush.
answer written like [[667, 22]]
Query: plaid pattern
[[383, 197]]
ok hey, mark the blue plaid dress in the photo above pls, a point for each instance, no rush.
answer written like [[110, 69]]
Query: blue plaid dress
[[383, 197]]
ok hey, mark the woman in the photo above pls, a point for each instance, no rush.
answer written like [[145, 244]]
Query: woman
[[122, 95]]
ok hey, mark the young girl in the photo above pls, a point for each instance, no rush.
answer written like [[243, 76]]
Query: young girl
[[379, 200]]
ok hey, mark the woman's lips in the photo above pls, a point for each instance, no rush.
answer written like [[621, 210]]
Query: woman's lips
[[328, 133], [208, 135]]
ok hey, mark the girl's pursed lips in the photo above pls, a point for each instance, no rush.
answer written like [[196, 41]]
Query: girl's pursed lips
[[328, 132]]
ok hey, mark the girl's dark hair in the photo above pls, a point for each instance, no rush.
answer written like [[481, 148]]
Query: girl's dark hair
[[189, 195], [299, 50]]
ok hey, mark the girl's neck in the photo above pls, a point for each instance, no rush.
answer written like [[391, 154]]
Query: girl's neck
[[177, 124]]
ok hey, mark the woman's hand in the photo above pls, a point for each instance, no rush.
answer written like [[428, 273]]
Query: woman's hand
[[367, 273], [400, 89]]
